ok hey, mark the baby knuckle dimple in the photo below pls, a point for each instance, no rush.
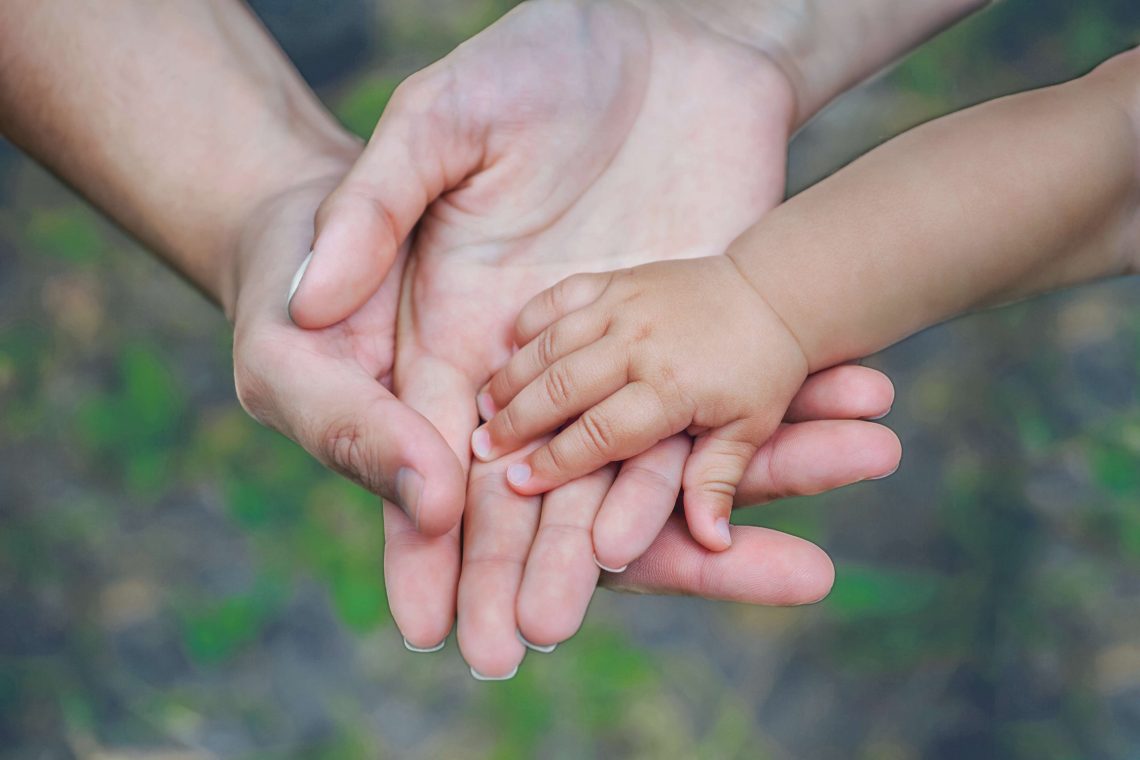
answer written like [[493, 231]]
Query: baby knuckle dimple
[[506, 425], [558, 385], [719, 484], [547, 347], [597, 433]]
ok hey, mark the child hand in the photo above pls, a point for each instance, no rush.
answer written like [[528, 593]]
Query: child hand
[[638, 356]]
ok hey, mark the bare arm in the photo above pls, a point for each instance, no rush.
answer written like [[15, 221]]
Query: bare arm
[[176, 118], [1015, 197], [826, 47]]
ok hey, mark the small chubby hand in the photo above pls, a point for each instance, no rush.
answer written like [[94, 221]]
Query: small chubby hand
[[633, 357]]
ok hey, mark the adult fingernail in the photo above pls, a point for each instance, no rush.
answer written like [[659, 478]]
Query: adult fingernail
[[880, 417], [486, 406], [614, 570], [884, 477], [518, 474], [480, 677], [300, 275], [427, 650], [723, 531], [535, 647], [410, 487], [481, 444]]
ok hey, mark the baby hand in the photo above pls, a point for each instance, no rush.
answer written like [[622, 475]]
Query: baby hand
[[638, 356]]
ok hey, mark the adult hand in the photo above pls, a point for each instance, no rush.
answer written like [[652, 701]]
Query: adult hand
[[569, 137]]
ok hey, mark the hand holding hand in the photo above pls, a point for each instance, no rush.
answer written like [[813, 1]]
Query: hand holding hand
[[638, 356]]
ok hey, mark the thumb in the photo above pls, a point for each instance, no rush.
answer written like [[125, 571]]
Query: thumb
[[421, 148], [712, 474]]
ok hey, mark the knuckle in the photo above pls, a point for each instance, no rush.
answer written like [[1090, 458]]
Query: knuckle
[[649, 479], [597, 433], [417, 94], [558, 385], [347, 450], [719, 485], [506, 425], [547, 347]]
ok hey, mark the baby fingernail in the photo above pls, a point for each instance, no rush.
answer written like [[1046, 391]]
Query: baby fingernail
[[723, 531], [300, 275], [428, 650], [486, 406], [535, 647], [410, 487], [518, 474], [614, 570], [480, 677], [481, 444]]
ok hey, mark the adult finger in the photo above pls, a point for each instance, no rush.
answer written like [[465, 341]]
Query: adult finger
[[422, 147], [846, 392], [422, 573], [814, 457], [561, 575], [498, 528], [350, 422], [639, 503], [761, 567]]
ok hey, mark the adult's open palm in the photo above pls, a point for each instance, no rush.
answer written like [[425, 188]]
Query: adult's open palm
[[570, 137]]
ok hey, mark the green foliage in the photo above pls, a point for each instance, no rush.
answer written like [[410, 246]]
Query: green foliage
[[214, 631], [360, 108], [136, 425], [867, 592], [71, 233]]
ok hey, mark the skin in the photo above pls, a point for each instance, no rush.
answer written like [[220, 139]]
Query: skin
[[242, 124], [1020, 196], [531, 149]]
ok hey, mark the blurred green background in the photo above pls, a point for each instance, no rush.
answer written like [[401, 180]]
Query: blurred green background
[[177, 583]]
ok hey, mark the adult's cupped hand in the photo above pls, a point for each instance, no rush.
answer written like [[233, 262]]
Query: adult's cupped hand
[[569, 137]]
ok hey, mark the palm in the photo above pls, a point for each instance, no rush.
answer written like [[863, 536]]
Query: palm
[[589, 177]]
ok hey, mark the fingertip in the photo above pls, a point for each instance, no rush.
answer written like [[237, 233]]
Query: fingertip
[[352, 252], [887, 451], [439, 506], [707, 519], [325, 295], [481, 444], [723, 532], [485, 404], [520, 477]]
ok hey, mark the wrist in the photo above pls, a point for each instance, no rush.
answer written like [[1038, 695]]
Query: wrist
[[798, 352], [822, 48]]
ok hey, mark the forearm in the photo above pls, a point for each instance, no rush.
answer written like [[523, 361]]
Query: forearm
[[1012, 198], [828, 46], [176, 118]]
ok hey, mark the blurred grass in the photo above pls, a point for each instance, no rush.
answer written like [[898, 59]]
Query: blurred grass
[[173, 575]]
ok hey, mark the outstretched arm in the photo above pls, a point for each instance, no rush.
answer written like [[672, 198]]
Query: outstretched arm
[[1012, 198], [822, 48]]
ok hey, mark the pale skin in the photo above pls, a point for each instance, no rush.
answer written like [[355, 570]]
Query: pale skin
[[223, 174], [524, 567], [1013, 198]]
